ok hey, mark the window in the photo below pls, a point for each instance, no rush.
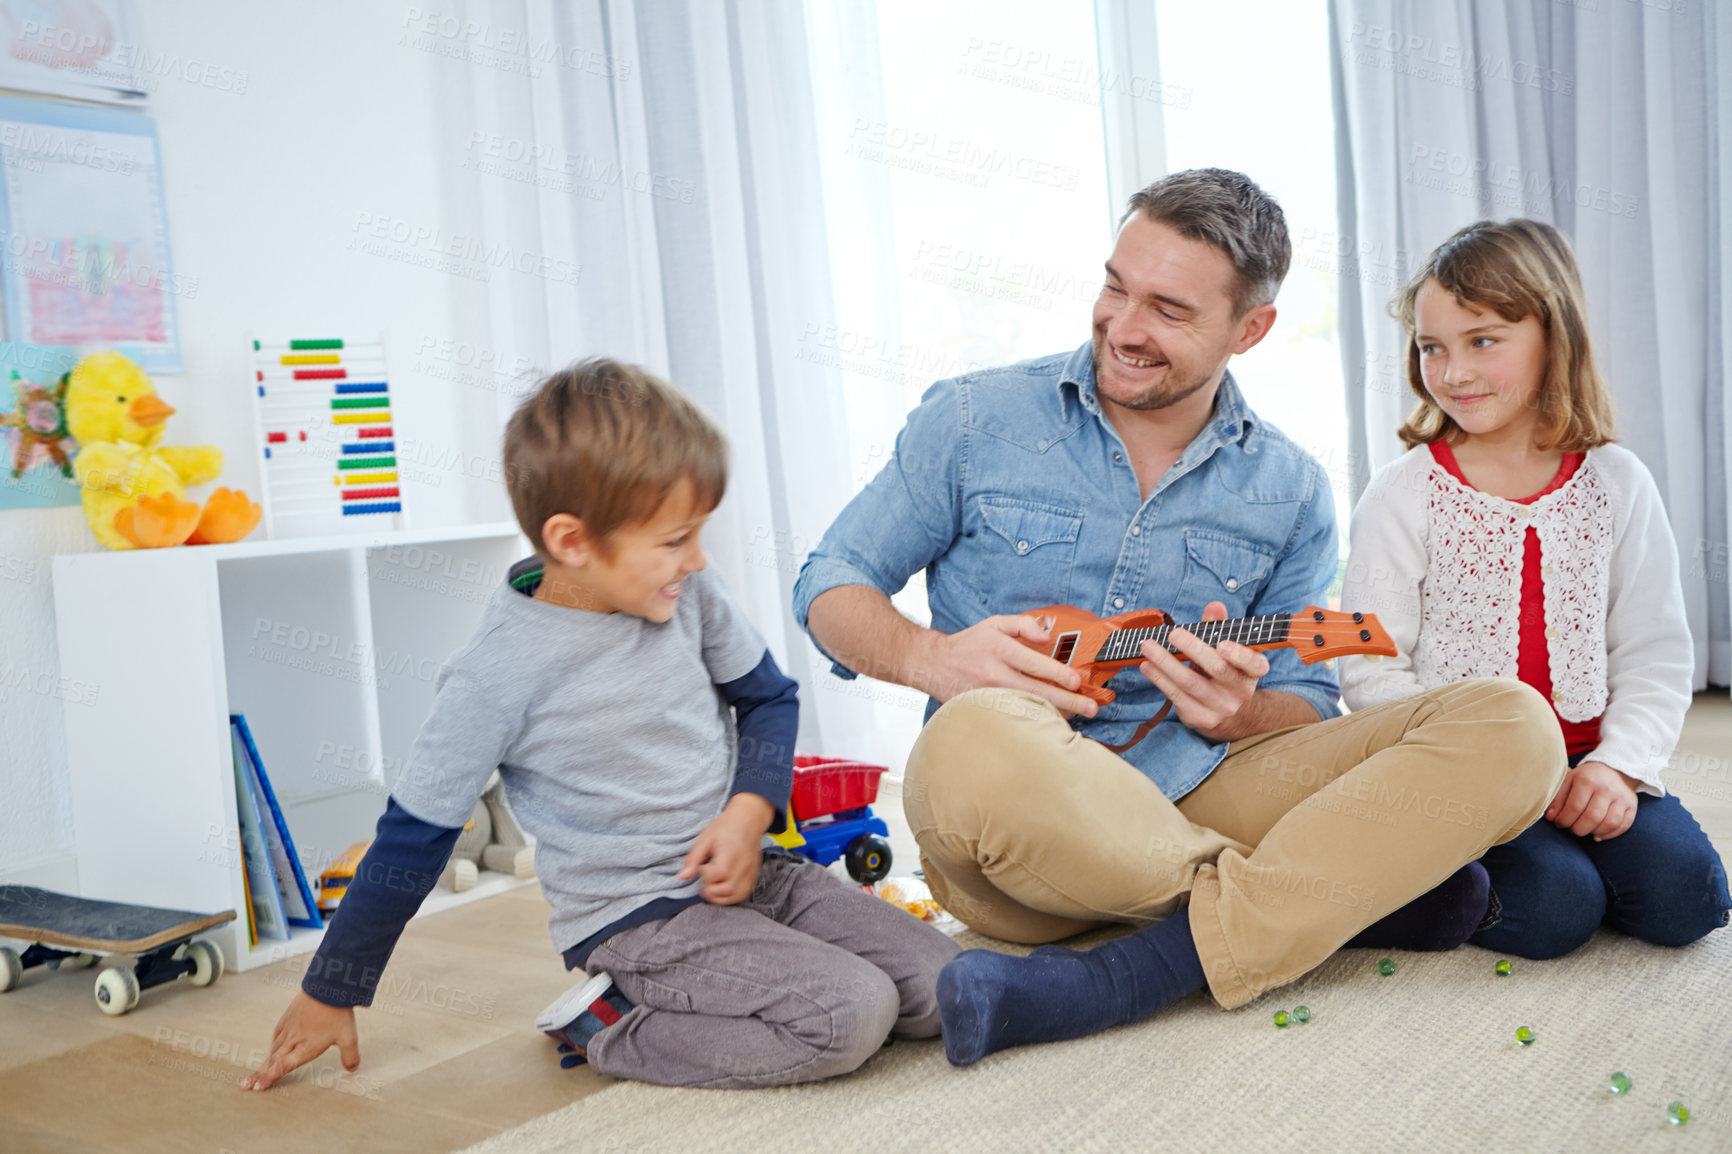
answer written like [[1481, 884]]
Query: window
[[965, 175]]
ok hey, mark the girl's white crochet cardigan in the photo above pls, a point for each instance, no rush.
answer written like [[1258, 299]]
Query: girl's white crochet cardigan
[[1440, 564]]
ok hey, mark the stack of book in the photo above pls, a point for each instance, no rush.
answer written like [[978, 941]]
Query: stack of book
[[278, 895]]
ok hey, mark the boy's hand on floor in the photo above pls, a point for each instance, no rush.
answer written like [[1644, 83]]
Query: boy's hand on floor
[[1594, 799], [727, 854], [307, 1029]]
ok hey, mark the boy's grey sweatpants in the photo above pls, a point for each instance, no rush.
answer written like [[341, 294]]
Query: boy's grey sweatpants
[[801, 981]]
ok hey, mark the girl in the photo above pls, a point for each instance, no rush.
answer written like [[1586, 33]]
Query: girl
[[1514, 539]]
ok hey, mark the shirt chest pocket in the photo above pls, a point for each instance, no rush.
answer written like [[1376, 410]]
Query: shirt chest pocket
[[1026, 553], [1224, 568]]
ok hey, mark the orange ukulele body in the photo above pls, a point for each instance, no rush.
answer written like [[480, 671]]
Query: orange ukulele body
[[1099, 647]]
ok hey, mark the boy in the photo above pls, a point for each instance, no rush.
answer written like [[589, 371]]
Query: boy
[[646, 737]]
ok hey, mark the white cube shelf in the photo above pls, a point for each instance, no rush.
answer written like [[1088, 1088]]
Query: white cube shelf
[[328, 645]]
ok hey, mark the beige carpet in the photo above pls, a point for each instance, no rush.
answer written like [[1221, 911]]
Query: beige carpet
[[1424, 1060]]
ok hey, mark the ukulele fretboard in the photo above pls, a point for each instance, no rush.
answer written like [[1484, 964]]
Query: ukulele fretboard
[[1127, 644]]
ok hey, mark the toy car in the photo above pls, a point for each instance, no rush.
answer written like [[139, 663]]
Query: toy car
[[831, 808], [334, 882]]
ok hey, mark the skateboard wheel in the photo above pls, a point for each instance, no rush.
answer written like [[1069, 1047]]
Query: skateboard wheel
[[11, 969], [116, 991], [207, 963], [79, 962]]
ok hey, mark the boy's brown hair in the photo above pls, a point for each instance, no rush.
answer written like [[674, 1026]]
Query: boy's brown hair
[[1517, 269], [607, 442]]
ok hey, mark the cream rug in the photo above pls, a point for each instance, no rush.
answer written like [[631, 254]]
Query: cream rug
[[1423, 1060]]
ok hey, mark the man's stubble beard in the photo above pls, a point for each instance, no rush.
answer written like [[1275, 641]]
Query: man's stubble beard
[[1157, 398]]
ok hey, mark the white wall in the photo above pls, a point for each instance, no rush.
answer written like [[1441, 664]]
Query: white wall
[[334, 114]]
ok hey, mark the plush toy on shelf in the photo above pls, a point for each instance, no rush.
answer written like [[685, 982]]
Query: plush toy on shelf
[[134, 489], [492, 839]]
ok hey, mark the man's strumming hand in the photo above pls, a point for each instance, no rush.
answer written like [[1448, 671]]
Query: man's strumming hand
[[991, 653]]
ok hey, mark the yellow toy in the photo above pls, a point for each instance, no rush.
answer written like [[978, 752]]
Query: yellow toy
[[134, 491]]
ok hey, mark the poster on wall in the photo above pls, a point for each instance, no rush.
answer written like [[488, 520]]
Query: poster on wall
[[85, 256], [85, 49], [36, 465]]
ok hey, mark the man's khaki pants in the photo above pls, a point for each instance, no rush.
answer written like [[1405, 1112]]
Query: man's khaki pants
[[1301, 837]]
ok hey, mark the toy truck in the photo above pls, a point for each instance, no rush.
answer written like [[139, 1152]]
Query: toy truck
[[831, 808]]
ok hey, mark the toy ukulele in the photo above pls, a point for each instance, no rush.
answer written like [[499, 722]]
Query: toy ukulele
[[1099, 647]]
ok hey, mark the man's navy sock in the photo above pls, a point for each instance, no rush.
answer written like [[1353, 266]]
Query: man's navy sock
[[990, 1001], [1440, 920]]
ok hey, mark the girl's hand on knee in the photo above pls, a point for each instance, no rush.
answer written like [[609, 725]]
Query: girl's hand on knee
[[1595, 800]]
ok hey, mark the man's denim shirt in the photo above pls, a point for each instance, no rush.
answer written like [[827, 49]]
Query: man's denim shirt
[[1013, 491]]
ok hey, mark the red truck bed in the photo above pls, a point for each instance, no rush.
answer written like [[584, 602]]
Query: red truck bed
[[826, 785]]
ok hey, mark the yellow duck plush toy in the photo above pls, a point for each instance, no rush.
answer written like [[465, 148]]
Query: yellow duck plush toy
[[134, 491]]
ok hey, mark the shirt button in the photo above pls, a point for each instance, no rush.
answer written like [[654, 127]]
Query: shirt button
[[1022, 546], [1545, 570], [1136, 530], [1551, 631], [1232, 584], [1118, 456], [1521, 513], [1118, 602]]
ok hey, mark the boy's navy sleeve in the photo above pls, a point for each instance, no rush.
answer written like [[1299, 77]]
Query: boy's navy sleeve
[[401, 867], [767, 714]]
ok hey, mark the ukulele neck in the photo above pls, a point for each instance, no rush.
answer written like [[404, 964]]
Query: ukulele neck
[[1254, 632]]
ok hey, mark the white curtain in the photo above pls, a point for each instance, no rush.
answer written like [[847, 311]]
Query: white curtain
[[1614, 123], [680, 170]]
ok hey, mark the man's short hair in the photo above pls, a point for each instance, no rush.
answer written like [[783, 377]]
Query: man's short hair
[[1226, 209], [607, 442]]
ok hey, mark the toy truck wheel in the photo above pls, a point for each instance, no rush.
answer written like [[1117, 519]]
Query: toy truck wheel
[[116, 991], [207, 963], [11, 969], [868, 859]]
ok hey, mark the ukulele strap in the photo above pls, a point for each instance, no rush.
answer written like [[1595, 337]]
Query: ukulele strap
[[1142, 730]]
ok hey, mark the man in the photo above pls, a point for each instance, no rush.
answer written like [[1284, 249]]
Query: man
[[1255, 832]]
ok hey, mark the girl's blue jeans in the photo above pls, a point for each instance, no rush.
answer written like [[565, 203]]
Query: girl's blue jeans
[[1661, 881]]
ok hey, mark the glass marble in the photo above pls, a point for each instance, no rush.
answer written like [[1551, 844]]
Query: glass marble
[[1502, 967], [1386, 966], [1282, 1018], [1301, 1014], [1524, 1036], [1677, 1113], [1620, 1082]]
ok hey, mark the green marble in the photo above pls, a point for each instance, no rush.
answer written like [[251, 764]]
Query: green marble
[[1620, 1082], [1386, 966], [1524, 1036]]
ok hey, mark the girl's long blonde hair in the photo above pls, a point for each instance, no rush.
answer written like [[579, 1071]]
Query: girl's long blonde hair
[[1518, 269]]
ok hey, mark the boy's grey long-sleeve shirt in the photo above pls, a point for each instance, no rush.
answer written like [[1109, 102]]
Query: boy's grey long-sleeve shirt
[[616, 739]]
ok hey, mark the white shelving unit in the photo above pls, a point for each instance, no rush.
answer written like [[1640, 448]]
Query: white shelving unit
[[328, 645]]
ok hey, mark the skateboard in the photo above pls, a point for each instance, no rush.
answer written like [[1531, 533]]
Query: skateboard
[[72, 931]]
